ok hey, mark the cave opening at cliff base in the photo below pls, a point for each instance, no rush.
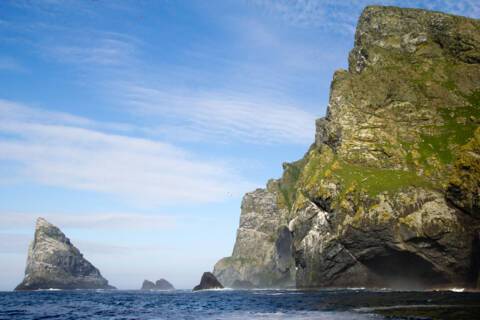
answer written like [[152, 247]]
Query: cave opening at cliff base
[[402, 270]]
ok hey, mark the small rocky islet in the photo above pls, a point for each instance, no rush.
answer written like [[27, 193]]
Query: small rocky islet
[[161, 285]]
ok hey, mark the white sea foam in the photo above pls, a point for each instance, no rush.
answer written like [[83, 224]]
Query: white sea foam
[[306, 315], [50, 289], [215, 289], [408, 306]]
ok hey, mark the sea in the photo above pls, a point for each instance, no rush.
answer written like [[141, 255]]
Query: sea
[[338, 304]]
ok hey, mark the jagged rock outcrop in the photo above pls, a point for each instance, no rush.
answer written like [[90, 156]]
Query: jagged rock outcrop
[[161, 284], [208, 281], [388, 195], [54, 262]]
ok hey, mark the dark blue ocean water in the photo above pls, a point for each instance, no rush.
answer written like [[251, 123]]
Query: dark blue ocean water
[[224, 304]]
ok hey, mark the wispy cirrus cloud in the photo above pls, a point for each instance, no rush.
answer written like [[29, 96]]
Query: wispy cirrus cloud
[[341, 16], [62, 151], [131, 221], [227, 116], [195, 113], [98, 48]]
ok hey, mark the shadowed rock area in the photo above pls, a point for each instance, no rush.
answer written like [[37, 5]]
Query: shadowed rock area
[[388, 193], [208, 281], [54, 262]]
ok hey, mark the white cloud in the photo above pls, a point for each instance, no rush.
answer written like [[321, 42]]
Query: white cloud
[[222, 115], [63, 153]]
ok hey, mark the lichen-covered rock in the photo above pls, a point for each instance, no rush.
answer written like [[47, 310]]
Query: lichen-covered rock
[[54, 262], [388, 195]]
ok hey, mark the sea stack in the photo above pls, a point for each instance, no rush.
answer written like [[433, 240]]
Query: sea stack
[[54, 263], [208, 281], [161, 284]]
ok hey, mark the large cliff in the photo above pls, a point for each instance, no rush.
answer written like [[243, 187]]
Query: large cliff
[[54, 262], [388, 195]]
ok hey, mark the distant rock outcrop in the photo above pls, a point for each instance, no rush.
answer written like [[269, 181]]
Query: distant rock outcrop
[[161, 284], [54, 262], [209, 281]]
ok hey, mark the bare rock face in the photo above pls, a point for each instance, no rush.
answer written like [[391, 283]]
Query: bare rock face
[[262, 253], [54, 262], [389, 193], [208, 281], [148, 285], [163, 284], [239, 284]]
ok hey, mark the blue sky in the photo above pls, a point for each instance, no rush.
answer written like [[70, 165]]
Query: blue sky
[[136, 126]]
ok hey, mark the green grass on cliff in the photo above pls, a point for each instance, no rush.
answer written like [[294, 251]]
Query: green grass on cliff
[[375, 181], [325, 166]]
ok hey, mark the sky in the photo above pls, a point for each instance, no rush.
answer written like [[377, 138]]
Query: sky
[[137, 126]]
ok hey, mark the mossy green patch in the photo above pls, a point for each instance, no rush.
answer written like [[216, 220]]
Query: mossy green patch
[[287, 185], [375, 181]]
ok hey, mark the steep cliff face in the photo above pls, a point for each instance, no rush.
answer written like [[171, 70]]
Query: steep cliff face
[[263, 249], [53, 262], [388, 195]]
